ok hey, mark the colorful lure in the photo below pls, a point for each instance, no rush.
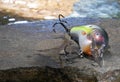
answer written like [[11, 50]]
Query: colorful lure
[[91, 39]]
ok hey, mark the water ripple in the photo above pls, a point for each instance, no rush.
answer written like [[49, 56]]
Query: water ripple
[[96, 8]]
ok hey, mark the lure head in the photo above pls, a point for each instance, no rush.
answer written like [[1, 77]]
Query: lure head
[[92, 40]]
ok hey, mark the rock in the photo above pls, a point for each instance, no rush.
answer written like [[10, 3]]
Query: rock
[[45, 74], [32, 50], [37, 9]]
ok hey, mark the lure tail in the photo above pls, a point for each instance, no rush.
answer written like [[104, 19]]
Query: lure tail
[[62, 23]]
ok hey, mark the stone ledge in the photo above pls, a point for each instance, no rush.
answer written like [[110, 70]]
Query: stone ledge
[[20, 46]]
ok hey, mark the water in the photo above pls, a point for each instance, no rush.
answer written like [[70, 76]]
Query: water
[[82, 8], [96, 9]]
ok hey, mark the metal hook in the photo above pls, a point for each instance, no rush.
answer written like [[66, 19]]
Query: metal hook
[[61, 22]]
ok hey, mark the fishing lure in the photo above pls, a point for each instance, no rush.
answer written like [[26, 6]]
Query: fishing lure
[[91, 39]]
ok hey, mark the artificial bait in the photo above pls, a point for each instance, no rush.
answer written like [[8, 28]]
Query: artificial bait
[[91, 39]]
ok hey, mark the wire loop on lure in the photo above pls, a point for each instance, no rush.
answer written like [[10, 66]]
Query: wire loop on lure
[[61, 22]]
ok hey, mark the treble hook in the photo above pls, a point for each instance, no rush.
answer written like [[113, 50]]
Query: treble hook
[[62, 23]]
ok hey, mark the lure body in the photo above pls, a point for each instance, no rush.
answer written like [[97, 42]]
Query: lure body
[[90, 38]]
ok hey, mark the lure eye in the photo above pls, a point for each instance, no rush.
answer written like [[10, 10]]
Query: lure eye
[[97, 34], [98, 37]]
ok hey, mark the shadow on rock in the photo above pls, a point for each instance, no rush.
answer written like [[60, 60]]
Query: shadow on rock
[[45, 74]]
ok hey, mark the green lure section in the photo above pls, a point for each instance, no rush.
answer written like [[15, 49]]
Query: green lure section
[[81, 28]]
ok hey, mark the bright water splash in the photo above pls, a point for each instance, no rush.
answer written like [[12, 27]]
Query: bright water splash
[[96, 8]]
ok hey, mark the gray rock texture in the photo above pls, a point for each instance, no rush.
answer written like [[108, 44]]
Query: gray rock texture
[[33, 48]]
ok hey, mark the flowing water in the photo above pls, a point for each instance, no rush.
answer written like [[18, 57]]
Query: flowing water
[[96, 8], [82, 8]]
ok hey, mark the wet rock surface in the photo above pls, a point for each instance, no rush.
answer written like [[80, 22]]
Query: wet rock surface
[[26, 50]]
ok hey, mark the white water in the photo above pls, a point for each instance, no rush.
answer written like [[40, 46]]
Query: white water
[[96, 8]]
